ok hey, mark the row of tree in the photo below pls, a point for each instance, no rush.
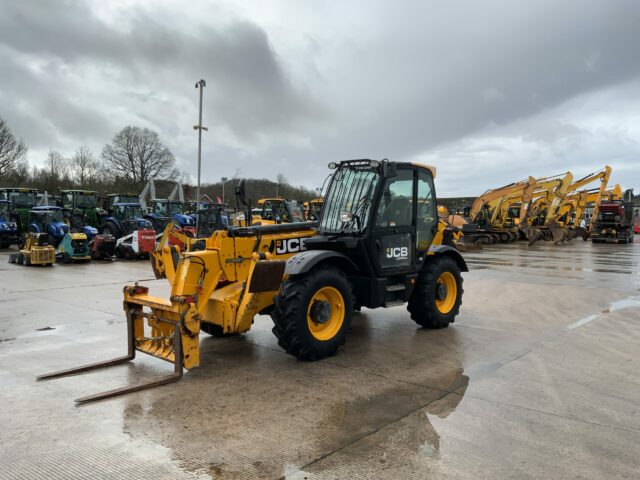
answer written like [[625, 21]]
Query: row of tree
[[133, 156]]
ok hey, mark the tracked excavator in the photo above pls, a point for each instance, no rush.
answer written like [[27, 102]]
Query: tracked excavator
[[482, 225], [378, 243], [544, 221], [500, 215], [538, 223]]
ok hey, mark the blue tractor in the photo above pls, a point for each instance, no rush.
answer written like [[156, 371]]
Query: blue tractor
[[160, 211], [135, 236], [165, 211], [8, 227], [70, 246]]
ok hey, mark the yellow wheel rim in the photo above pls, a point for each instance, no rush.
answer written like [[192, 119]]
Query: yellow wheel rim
[[327, 324], [446, 292]]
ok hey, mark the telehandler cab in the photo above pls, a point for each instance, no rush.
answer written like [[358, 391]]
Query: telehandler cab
[[378, 243]]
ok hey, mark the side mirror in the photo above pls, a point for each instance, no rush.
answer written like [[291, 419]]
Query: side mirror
[[388, 169], [240, 194]]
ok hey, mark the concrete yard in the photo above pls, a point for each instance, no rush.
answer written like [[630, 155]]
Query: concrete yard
[[538, 378]]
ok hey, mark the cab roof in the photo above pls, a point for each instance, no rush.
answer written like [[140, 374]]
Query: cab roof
[[45, 208], [85, 192], [19, 189], [362, 162], [270, 199]]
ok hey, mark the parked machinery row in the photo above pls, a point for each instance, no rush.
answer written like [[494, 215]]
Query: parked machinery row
[[549, 208], [125, 225]]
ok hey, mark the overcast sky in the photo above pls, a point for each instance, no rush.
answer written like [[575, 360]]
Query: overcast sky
[[487, 91]]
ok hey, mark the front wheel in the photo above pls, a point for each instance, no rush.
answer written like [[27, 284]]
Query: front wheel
[[312, 313], [437, 296]]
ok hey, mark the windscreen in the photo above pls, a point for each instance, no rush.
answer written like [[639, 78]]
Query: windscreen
[[86, 201], [55, 216], [22, 199], [175, 208], [134, 212], [297, 214], [351, 190], [160, 208]]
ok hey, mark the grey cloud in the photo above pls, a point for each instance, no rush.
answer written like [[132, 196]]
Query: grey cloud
[[404, 80]]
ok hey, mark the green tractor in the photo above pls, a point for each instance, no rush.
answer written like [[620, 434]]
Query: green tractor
[[81, 201], [22, 201]]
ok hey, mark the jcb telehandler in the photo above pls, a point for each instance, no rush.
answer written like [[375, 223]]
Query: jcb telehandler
[[377, 244]]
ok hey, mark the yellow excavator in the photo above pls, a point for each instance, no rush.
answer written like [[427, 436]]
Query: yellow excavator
[[485, 223], [545, 219], [312, 209], [378, 243], [501, 214], [539, 221], [573, 210], [278, 210]]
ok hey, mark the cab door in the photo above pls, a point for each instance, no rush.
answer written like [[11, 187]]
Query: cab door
[[393, 234], [426, 215]]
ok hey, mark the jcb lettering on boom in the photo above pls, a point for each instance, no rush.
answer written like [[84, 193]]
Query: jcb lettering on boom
[[290, 245]]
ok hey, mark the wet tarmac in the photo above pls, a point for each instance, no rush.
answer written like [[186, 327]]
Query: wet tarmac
[[538, 378]]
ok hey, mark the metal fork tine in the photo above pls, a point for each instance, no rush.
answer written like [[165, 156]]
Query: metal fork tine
[[174, 377], [85, 368]]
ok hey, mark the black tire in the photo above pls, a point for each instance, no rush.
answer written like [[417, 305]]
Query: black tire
[[215, 330], [26, 261], [66, 258], [423, 305], [291, 326], [120, 252], [19, 256], [12, 257], [111, 228]]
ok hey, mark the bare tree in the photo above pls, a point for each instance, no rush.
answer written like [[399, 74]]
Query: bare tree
[[136, 154], [57, 170], [12, 151], [281, 179], [84, 167]]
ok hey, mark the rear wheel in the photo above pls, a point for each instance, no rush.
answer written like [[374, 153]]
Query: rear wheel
[[312, 313], [111, 228], [437, 296]]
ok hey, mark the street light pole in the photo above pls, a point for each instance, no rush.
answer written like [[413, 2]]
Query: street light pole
[[223, 180], [201, 84]]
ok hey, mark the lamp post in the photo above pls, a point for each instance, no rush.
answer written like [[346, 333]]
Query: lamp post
[[201, 84], [223, 180]]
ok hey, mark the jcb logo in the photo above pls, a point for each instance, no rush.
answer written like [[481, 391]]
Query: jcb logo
[[290, 245], [398, 253]]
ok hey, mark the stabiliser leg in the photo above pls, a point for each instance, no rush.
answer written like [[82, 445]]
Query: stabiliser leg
[[175, 376]]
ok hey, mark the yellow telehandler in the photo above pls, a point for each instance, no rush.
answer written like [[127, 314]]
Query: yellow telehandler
[[378, 243]]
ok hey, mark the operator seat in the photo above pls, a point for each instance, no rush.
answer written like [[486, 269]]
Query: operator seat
[[398, 212]]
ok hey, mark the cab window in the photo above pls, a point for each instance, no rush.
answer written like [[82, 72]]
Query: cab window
[[396, 204]]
